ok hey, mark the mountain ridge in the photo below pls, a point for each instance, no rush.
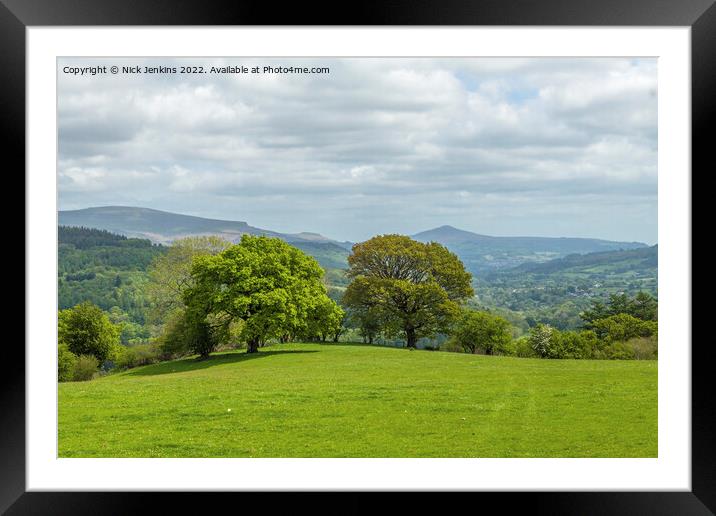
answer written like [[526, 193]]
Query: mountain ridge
[[480, 253], [164, 226], [447, 232]]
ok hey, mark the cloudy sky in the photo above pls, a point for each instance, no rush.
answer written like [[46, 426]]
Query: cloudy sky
[[544, 147]]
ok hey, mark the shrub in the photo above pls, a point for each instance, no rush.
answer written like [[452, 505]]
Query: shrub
[[548, 342], [572, 344], [619, 351], [523, 348], [541, 339], [645, 348], [638, 348], [85, 368], [138, 355], [452, 345], [482, 331], [66, 361], [87, 330]]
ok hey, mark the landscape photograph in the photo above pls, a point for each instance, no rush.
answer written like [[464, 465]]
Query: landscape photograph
[[357, 257]]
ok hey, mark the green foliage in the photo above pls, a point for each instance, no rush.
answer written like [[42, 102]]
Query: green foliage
[[541, 340], [622, 327], [558, 291], [644, 348], [130, 331], [482, 331], [405, 287], [272, 286], [325, 321], [85, 368], [523, 348], [170, 275], [86, 330], [618, 351], [103, 268], [573, 344], [87, 238], [138, 355], [327, 254], [642, 306], [364, 310], [189, 332], [66, 363], [548, 342]]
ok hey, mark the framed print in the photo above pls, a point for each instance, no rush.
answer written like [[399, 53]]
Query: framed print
[[428, 248]]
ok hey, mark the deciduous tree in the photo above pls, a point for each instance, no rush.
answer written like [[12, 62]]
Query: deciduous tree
[[482, 331], [415, 288], [170, 275], [270, 285]]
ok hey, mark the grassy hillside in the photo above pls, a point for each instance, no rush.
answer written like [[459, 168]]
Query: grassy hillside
[[310, 400]]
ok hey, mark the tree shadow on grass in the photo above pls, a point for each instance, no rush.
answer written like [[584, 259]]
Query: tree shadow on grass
[[193, 364]]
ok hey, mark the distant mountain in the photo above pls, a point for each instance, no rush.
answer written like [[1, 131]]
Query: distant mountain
[[449, 234], [164, 227], [482, 253]]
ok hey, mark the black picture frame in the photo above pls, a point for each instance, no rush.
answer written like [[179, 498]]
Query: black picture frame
[[16, 15]]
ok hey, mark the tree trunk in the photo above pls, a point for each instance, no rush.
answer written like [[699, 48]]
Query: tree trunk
[[370, 339], [252, 346], [412, 339]]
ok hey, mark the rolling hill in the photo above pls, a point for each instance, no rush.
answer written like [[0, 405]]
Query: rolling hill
[[163, 227], [635, 261], [555, 292], [348, 400], [481, 254]]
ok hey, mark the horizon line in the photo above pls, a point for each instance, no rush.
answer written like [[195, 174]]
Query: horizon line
[[441, 226]]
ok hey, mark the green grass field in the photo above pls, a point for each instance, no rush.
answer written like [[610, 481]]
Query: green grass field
[[310, 400]]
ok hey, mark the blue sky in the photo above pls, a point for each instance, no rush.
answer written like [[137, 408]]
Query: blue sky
[[544, 147]]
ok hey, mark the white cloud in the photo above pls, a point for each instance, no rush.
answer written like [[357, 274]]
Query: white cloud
[[501, 146]]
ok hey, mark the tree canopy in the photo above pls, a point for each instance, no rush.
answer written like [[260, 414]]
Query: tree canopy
[[412, 288], [170, 274], [642, 306], [482, 331], [273, 287], [86, 330]]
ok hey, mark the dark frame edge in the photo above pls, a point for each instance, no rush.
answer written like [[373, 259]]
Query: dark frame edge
[[702, 499], [703, 413], [12, 136]]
